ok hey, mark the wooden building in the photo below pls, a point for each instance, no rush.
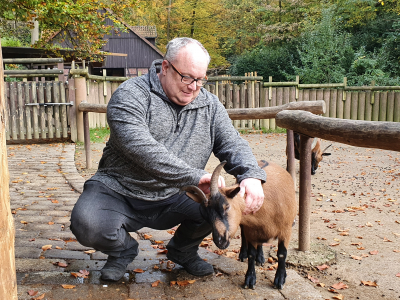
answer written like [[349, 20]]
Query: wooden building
[[131, 52]]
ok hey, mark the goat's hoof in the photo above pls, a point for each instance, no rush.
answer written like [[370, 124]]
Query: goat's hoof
[[259, 264], [253, 287]]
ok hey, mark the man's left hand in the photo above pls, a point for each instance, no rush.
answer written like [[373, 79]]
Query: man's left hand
[[254, 194]]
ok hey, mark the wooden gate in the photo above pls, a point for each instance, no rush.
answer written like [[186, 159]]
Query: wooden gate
[[36, 111]]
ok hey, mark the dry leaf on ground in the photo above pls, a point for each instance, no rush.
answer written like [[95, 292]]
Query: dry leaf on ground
[[138, 271], [68, 286], [340, 286], [155, 283], [369, 283]]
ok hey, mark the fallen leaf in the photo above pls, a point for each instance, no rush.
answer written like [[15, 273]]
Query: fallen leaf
[[68, 286], [185, 282], [159, 242], [321, 284], [334, 244], [39, 297], [84, 272], [398, 275], [313, 279], [50, 223], [24, 222], [32, 292], [338, 297], [46, 247], [356, 257], [322, 267], [374, 252], [89, 251], [369, 283], [171, 283], [164, 251], [138, 271], [340, 286], [62, 265], [147, 236], [59, 248], [155, 283], [54, 201]]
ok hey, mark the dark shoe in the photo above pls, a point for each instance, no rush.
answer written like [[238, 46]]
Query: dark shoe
[[194, 265], [115, 268]]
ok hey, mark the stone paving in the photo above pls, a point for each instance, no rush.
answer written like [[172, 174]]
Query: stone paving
[[44, 186]]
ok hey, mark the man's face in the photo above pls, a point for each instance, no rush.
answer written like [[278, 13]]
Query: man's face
[[191, 61]]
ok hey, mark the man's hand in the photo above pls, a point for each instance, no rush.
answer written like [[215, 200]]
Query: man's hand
[[254, 194], [205, 180]]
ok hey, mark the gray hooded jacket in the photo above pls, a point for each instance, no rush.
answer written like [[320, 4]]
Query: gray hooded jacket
[[154, 149]]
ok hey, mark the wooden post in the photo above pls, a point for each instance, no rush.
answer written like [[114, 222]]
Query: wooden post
[[291, 166], [305, 193], [8, 279], [88, 152], [80, 96]]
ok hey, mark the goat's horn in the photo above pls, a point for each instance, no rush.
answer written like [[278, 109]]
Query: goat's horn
[[195, 190], [326, 148], [214, 179]]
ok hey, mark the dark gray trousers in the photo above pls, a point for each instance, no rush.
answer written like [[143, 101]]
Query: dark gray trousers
[[102, 219]]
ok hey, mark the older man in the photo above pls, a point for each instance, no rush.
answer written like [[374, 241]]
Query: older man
[[164, 127]]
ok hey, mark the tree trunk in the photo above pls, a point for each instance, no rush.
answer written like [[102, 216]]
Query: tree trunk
[[8, 280]]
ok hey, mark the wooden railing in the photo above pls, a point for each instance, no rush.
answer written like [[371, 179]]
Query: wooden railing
[[370, 134]]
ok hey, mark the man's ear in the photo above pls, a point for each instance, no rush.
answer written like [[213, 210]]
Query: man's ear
[[164, 67]]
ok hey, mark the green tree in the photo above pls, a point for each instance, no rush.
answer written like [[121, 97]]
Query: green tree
[[81, 20], [325, 52]]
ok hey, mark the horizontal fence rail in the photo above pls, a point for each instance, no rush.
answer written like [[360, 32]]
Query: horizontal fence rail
[[370, 134], [371, 103], [317, 107]]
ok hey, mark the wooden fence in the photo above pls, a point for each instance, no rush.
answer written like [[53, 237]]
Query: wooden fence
[[36, 110], [367, 105]]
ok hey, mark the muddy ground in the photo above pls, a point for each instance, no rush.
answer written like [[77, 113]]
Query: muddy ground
[[355, 221]]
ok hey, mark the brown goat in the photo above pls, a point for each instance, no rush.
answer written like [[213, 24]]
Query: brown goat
[[224, 208], [316, 152]]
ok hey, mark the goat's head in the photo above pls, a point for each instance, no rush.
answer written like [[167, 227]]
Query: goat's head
[[317, 155], [218, 208]]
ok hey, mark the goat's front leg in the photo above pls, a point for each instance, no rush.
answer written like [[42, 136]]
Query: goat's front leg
[[250, 278], [243, 248], [260, 260], [280, 275]]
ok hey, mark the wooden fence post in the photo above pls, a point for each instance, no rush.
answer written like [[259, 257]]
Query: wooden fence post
[[80, 96], [305, 193], [8, 279]]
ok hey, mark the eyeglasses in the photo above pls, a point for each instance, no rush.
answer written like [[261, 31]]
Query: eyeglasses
[[189, 80]]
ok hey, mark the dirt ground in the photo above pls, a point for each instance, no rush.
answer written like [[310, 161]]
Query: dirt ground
[[355, 215]]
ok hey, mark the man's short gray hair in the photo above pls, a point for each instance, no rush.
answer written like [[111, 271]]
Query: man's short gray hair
[[177, 44]]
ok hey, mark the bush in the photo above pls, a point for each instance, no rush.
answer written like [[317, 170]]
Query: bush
[[10, 42], [275, 61]]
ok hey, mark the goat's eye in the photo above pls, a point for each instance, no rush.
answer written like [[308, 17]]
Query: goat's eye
[[227, 207]]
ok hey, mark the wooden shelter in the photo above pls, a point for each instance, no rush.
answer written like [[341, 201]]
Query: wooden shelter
[[130, 51]]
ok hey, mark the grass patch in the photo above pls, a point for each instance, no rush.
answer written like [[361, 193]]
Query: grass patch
[[99, 135], [276, 130]]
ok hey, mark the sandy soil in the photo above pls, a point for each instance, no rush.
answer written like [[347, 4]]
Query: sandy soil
[[355, 214]]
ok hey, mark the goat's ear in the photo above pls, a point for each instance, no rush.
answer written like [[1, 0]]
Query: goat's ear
[[196, 194], [232, 192], [326, 154]]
